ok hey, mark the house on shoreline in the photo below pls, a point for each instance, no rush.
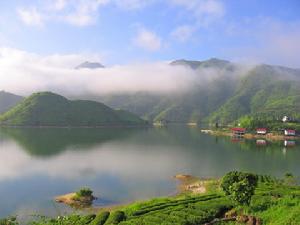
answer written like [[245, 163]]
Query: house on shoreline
[[289, 132], [262, 131], [238, 131]]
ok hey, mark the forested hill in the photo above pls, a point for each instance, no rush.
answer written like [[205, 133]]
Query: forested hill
[[257, 90], [228, 92], [49, 109]]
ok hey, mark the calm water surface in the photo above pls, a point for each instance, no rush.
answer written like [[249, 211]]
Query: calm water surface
[[121, 165]]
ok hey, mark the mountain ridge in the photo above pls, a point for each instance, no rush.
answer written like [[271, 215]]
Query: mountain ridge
[[49, 109], [8, 100], [89, 65]]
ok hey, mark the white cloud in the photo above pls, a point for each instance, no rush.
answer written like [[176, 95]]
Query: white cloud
[[204, 11], [147, 40], [84, 13], [75, 12], [24, 73], [183, 33], [133, 4], [31, 16], [59, 4]]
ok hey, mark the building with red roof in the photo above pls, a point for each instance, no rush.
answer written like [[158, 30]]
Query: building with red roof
[[238, 131], [261, 130], [289, 132]]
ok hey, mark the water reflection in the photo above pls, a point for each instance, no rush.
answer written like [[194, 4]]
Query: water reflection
[[120, 165]]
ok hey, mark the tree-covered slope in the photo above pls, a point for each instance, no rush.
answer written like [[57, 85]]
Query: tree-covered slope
[[192, 105], [228, 92], [8, 100], [49, 109], [266, 91]]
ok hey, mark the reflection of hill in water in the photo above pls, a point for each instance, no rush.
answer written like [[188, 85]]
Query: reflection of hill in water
[[51, 141]]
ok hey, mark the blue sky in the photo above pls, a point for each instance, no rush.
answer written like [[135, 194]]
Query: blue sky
[[129, 31]]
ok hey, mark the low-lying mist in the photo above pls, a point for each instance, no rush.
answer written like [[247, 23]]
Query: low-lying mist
[[24, 73]]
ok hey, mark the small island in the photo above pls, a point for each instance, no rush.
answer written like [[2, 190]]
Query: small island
[[80, 199]]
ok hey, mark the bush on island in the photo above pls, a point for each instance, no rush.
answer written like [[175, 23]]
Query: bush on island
[[84, 192]]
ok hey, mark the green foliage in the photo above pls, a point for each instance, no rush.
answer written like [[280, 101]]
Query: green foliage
[[263, 94], [9, 221], [101, 218], [239, 186], [116, 217], [65, 220], [48, 109], [84, 192], [259, 92]]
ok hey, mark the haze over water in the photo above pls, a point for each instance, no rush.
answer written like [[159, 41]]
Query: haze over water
[[120, 165]]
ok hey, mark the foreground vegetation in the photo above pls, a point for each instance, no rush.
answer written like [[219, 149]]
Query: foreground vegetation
[[238, 198]]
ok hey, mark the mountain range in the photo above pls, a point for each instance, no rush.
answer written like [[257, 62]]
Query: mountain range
[[260, 90], [231, 92]]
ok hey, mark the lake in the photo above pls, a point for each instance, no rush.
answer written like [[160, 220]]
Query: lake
[[121, 165]]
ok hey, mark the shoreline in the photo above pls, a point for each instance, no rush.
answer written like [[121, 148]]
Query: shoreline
[[185, 184], [249, 136]]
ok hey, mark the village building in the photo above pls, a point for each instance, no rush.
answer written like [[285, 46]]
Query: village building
[[289, 132], [261, 131], [238, 131]]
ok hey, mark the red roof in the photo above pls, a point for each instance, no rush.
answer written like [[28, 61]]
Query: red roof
[[238, 129], [261, 129], [291, 131]]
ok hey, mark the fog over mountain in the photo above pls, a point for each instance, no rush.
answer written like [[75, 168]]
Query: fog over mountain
[[28, 73], [176, 91]]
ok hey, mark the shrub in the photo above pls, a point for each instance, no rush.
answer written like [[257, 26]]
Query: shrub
[[239, 186], [84, 192], [116, 217], [100, 218]]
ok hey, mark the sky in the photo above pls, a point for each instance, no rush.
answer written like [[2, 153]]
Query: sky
[[118, 32], [42, 41]]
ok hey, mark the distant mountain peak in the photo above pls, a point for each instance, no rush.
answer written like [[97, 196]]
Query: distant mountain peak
[[194, 64], [89, 65]]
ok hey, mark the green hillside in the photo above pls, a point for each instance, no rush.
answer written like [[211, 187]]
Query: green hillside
[[8, 100], [49, 109], [265, 92], [191, 106], [261, 91]]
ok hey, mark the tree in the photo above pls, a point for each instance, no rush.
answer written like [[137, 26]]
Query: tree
[[239, 186]]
